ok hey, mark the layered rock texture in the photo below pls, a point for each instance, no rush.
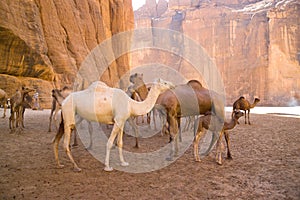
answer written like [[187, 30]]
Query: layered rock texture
[[254, 44], [43, 43]]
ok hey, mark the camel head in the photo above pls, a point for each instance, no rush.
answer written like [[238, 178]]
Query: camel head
[[26, 90], [163, 85], [237, 114], [134, 78], [256, 100], [56, 94]]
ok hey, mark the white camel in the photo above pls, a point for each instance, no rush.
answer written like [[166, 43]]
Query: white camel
[[104, 104], [3, 101]]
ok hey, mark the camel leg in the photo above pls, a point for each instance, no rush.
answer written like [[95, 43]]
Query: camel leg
[[4, 112], [90, 127], [50, 118], [109, 144], [179, 128], [67, 137], [56, 140], [245, 116], [219, 149], [22, 117], [226, 134], [12, 119], [120, 147], [55, 116], [173, 130], [249, 117], [136, 131], [197, 138]]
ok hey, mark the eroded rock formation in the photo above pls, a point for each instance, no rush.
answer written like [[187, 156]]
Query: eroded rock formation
[[43, 43], [255, 44]]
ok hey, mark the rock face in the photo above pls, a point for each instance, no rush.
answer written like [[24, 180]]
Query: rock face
[[254, 44], [43, 43]]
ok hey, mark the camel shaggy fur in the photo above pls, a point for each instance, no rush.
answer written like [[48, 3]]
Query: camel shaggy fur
[[243, 104], [204, 122], [104, 104]]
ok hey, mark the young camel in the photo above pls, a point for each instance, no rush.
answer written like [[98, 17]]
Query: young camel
[[104, 104], [243, 104], [3, 101], [204, 123], [56, 104], [18, 104]]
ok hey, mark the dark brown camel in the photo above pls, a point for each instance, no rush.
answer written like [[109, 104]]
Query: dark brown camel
[[190, 99], [3, 101], [19, 101], [243, 104], [204, 123]]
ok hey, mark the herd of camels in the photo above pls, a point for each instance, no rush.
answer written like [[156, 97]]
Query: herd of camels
[[107, 105]]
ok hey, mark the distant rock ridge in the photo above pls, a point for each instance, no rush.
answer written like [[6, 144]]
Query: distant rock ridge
[[255, 44]]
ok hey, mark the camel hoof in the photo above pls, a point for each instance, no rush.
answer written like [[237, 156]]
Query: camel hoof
[[60, 166], [229, 158], [197, 160], [124, 164], [219, 162], [108, 169], [77, 169]]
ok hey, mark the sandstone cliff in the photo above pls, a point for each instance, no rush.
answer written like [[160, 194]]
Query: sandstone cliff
[[43, 43], [255, 44]]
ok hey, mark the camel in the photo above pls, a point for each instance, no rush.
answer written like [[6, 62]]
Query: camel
[[103, 104], [204, 123], [243, 104], [56, 104], [18, 104], [139, 90], [3, 101], [179, 102]]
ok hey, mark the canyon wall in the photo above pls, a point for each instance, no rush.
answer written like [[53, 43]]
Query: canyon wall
[[44, 42], [254, 44]]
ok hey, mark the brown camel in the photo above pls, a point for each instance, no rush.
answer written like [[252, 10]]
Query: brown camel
[[19, 101], [56, 105], [3, 101], [139, 90], [204, 123], [190, 99], [243, 104]]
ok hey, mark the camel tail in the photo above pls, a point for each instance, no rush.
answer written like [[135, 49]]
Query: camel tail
[[60, 132]]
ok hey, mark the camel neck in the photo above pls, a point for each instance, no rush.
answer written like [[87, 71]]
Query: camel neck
[[141, 108], [231, 124]]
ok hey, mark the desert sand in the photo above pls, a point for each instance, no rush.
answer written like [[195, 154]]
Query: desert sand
[[265, 165]]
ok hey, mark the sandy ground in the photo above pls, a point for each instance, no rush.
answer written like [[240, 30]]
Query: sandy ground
[[265, 165]]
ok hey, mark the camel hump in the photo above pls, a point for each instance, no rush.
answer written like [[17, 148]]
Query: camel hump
[[98, 86], [195, 84]]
